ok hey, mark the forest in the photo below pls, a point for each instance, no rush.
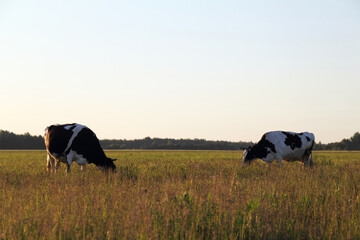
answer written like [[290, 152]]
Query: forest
[[10, 140]]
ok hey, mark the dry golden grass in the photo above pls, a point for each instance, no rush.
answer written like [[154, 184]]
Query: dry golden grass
[[180, 195]]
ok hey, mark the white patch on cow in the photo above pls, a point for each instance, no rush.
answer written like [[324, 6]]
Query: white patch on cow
[[78, 158], [68, 127], [76, 131]]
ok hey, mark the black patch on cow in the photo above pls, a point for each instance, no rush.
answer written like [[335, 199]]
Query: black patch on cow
[[308, 139], [260, 150], [292, 140], [57, 139], [87, 144]]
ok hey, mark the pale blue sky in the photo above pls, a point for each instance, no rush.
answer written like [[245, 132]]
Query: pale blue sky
[[220, 70]]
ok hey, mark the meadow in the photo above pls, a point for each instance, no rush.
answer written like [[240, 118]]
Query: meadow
[[180, 195]]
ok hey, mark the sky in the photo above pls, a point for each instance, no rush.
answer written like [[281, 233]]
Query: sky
[[216, 70]]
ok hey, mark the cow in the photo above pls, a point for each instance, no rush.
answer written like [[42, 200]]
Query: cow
[[281, 145], [74, 142]]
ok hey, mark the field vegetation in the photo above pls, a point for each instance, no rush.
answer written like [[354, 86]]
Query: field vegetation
[[180, 195]]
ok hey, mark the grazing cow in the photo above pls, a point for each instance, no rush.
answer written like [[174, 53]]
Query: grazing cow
[[280, 145], [74, 142]]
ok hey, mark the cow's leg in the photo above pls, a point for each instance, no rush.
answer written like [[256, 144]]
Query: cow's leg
[[307, 158], [279, 160], [69, 159], [269, 158], [50, 162], [68, 167], [57, 164]]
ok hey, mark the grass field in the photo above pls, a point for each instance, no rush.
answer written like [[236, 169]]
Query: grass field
[[180, 195]]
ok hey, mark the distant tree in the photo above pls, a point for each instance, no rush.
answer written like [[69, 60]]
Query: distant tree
[[355, 140]]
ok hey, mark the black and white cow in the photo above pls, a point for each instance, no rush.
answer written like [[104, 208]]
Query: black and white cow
[[280, 145], [74, 142]]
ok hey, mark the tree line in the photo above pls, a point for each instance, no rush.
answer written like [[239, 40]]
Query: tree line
[[168, 143], [9, 140], [352, 143]]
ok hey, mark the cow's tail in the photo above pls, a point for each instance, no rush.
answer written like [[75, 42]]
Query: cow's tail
[[46, 131]]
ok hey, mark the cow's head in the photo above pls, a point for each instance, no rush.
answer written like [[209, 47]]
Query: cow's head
[[247, 157], [108, 164]]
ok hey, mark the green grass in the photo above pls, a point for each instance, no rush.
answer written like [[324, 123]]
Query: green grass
[[180, 195]]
